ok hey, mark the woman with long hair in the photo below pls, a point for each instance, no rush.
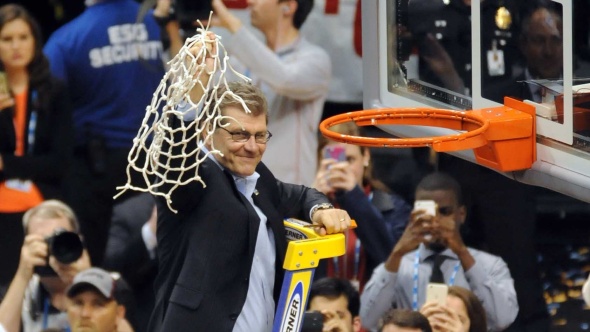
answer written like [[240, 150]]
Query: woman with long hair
[[35, 130], [345, 175], [463, 312]]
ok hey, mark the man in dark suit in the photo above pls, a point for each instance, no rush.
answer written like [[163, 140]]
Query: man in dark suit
[[131, 250], [541, 44], [220, 255]]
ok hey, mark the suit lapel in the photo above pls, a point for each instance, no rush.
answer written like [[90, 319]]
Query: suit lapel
[[275, 221], [253, 219]]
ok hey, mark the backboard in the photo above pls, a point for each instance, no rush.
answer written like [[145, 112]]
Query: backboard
[[437, 53]]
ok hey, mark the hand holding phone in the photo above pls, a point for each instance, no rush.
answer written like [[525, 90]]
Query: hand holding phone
[[429, 207], [437, 293]]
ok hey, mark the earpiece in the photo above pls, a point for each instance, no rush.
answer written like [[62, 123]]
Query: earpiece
[[285, 8]]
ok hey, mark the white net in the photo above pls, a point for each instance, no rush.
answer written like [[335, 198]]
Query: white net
[[165, 152]]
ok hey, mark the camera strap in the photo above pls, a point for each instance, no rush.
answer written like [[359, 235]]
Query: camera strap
[[46, 313], [46, 306]]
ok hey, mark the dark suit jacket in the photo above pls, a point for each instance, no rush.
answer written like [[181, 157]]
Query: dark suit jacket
[[127, 253], [47, 163], [205, 251]]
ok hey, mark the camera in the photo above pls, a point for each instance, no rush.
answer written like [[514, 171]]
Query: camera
[[65, 246], [313, 321], [188, 11]]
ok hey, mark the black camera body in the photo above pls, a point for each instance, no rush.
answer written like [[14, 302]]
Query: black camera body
[[188, 11], [313, 321], [65, 246]]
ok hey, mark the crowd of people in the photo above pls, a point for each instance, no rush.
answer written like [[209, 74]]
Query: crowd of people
[[68, 118]]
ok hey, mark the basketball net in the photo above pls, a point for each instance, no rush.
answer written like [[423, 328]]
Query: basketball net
[[155, 148]]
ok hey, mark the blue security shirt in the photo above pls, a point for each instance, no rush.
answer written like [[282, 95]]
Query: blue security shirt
[[112, 64]]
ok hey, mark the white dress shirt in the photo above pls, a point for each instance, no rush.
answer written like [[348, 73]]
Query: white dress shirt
[[489, 279]]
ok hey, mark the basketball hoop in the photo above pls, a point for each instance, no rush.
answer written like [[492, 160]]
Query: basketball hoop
[[473, 126], [502, 137]]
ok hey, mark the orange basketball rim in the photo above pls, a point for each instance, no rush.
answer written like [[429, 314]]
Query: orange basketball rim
[[503, 138]]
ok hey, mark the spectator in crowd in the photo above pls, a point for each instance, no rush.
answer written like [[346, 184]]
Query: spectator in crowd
[[220, 255], [112, 64], [35, 130], [336, 27], [432, 250], [131, 250], [338, 301], [404, 320], [345, 175], [541, 44], [293, 74], [93, 303], [38, 301], [463, 312]]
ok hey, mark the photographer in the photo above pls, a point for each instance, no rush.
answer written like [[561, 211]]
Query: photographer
[[338, 302], [36, 297]]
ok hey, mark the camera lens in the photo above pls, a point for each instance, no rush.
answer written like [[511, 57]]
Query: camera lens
[[66, 247]]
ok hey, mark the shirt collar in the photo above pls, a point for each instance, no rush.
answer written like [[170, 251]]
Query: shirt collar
[[289, 48], [425, 253], [246, 185], [210, 155]]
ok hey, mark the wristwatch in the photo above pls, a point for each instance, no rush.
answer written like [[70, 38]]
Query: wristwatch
[[162, 21], [321, 206]]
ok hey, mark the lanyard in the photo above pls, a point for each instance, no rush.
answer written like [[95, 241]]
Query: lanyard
[[415, 279], [32, 122], [46, 313]]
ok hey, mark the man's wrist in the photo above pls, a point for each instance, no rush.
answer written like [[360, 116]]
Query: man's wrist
[[393, 261], [467, 261], [317, 207]]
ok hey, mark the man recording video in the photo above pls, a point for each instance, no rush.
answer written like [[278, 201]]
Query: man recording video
[[338, 302], [36, 297]]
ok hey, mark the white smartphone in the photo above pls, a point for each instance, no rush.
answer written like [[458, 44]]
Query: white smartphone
[[429, 206], [437, 293]]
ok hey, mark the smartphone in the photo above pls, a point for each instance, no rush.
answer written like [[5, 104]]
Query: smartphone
[[437, 293], [336, 152], [3, 83], [429, 206]]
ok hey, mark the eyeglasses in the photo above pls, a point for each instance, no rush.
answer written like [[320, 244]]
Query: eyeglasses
[[445, 210], [244, 136]]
